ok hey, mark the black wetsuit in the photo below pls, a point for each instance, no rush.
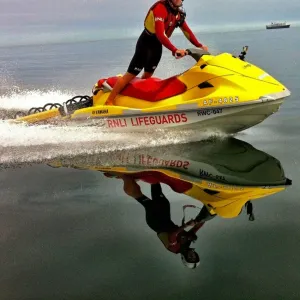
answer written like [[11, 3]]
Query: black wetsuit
[[158, 218], [147, 54], [158, 212]]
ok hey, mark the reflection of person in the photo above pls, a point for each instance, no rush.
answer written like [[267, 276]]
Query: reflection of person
[[158, 217], [160, 22]]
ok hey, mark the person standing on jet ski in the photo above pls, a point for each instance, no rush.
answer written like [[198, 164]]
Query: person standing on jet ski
[[158, 217], [160, 22]]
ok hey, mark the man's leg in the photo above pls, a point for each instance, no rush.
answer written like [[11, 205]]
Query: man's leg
[[135, 67], [153, 59], [147, 75], [119, 86], [131, 188], [153, 208], [156, 191], [158, 195]]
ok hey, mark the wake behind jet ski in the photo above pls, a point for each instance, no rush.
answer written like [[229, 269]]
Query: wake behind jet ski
[[224, 175], [219, 92]]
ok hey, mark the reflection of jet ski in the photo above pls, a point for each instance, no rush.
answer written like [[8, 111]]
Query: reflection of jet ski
[[224, 175], [220, 92]]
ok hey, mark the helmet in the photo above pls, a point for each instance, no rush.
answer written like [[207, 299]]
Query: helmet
[[190, 258]]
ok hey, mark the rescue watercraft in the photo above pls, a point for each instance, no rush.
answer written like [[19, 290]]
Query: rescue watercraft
[[225, 175], [219, 92]]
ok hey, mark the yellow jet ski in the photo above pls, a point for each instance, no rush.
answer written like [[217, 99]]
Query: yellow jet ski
[[225, 175], [218, 93]]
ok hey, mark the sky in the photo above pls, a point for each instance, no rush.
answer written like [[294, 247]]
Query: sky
[[31, 18]]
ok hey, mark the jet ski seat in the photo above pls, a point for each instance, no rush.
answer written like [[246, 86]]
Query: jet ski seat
[[150, 89]]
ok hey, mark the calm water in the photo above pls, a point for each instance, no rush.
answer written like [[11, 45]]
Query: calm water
[[74, 234]]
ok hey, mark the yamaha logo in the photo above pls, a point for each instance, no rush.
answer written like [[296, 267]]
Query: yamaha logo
[[100, 112]]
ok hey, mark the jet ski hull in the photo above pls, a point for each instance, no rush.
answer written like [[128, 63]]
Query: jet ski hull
[[223, 174], [226, 119], [219, 93]]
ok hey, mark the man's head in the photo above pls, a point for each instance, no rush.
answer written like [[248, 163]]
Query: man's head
[[186, 238], [190, 258], [175, 4]]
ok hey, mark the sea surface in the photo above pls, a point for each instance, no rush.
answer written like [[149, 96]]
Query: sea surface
[[72, 233]]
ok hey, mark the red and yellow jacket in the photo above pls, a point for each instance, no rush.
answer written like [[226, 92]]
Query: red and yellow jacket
[[161, 21]]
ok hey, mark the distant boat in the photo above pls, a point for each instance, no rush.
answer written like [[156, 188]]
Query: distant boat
[[277, 25]]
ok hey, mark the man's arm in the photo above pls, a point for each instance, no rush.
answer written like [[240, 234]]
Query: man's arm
[[197, 223], [131, 188], [204, 215], [200, 220], [160, 14], [190, 35]]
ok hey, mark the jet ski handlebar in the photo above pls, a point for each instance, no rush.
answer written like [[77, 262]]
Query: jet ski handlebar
[[197, 53]]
